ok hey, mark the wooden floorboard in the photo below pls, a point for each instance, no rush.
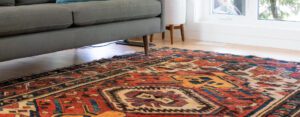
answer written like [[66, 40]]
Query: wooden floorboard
[[47, 62]]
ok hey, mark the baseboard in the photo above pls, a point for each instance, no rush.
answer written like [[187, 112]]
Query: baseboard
[[246, 35]]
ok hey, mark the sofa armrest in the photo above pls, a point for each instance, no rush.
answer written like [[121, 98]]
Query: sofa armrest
[[163, 19]]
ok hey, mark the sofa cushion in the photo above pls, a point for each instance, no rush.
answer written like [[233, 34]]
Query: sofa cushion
[[33, 18], [27, 2], [7, 2], [97, 12], [71, 1]]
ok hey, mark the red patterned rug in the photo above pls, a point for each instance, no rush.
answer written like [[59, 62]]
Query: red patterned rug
[[168, 83]]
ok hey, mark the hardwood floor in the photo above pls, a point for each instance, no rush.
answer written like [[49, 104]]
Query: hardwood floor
[[47, 62]]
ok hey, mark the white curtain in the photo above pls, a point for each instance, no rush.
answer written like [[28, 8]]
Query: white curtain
[[176, 11], [193, 11]]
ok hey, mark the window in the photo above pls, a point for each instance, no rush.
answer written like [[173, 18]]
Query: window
[[276, 10], [229, 7], [280, 10]]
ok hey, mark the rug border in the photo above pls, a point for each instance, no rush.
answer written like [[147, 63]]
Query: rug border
[[6, 83]]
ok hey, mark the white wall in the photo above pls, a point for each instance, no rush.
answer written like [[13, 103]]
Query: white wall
[[240, 30]]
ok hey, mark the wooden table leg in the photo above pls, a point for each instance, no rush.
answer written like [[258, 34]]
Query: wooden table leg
[[171, 28], [146, 44], [172, 32], [182, 32], [151, 37]]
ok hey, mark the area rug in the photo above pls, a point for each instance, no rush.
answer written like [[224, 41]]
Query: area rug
[[168, 83]]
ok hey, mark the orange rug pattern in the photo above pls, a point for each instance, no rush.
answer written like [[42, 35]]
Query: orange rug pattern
[[169, 82]]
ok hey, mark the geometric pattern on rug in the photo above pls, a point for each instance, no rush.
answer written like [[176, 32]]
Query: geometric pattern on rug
[[159, 100], [287, 107], [204, 84]]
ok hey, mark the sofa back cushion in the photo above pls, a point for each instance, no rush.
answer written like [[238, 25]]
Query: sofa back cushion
[[33, 19], [27, 2], [7, 2]]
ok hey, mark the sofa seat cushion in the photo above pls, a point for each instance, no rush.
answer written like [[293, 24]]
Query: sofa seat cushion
[[33, 18], [7, 2], [28, 2], [98, 12], [72, 1]]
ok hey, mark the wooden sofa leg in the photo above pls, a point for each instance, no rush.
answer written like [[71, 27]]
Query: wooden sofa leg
[[146, 44]]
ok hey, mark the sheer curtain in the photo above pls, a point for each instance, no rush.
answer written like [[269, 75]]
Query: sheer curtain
[[193, 11]]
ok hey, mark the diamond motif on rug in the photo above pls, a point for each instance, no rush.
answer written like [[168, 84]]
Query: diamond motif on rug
[[159, 99]]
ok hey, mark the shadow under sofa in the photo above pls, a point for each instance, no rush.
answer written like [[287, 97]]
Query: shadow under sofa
[[34, 29]]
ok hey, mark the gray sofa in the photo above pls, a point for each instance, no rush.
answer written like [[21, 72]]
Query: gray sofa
[[33, 27]]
